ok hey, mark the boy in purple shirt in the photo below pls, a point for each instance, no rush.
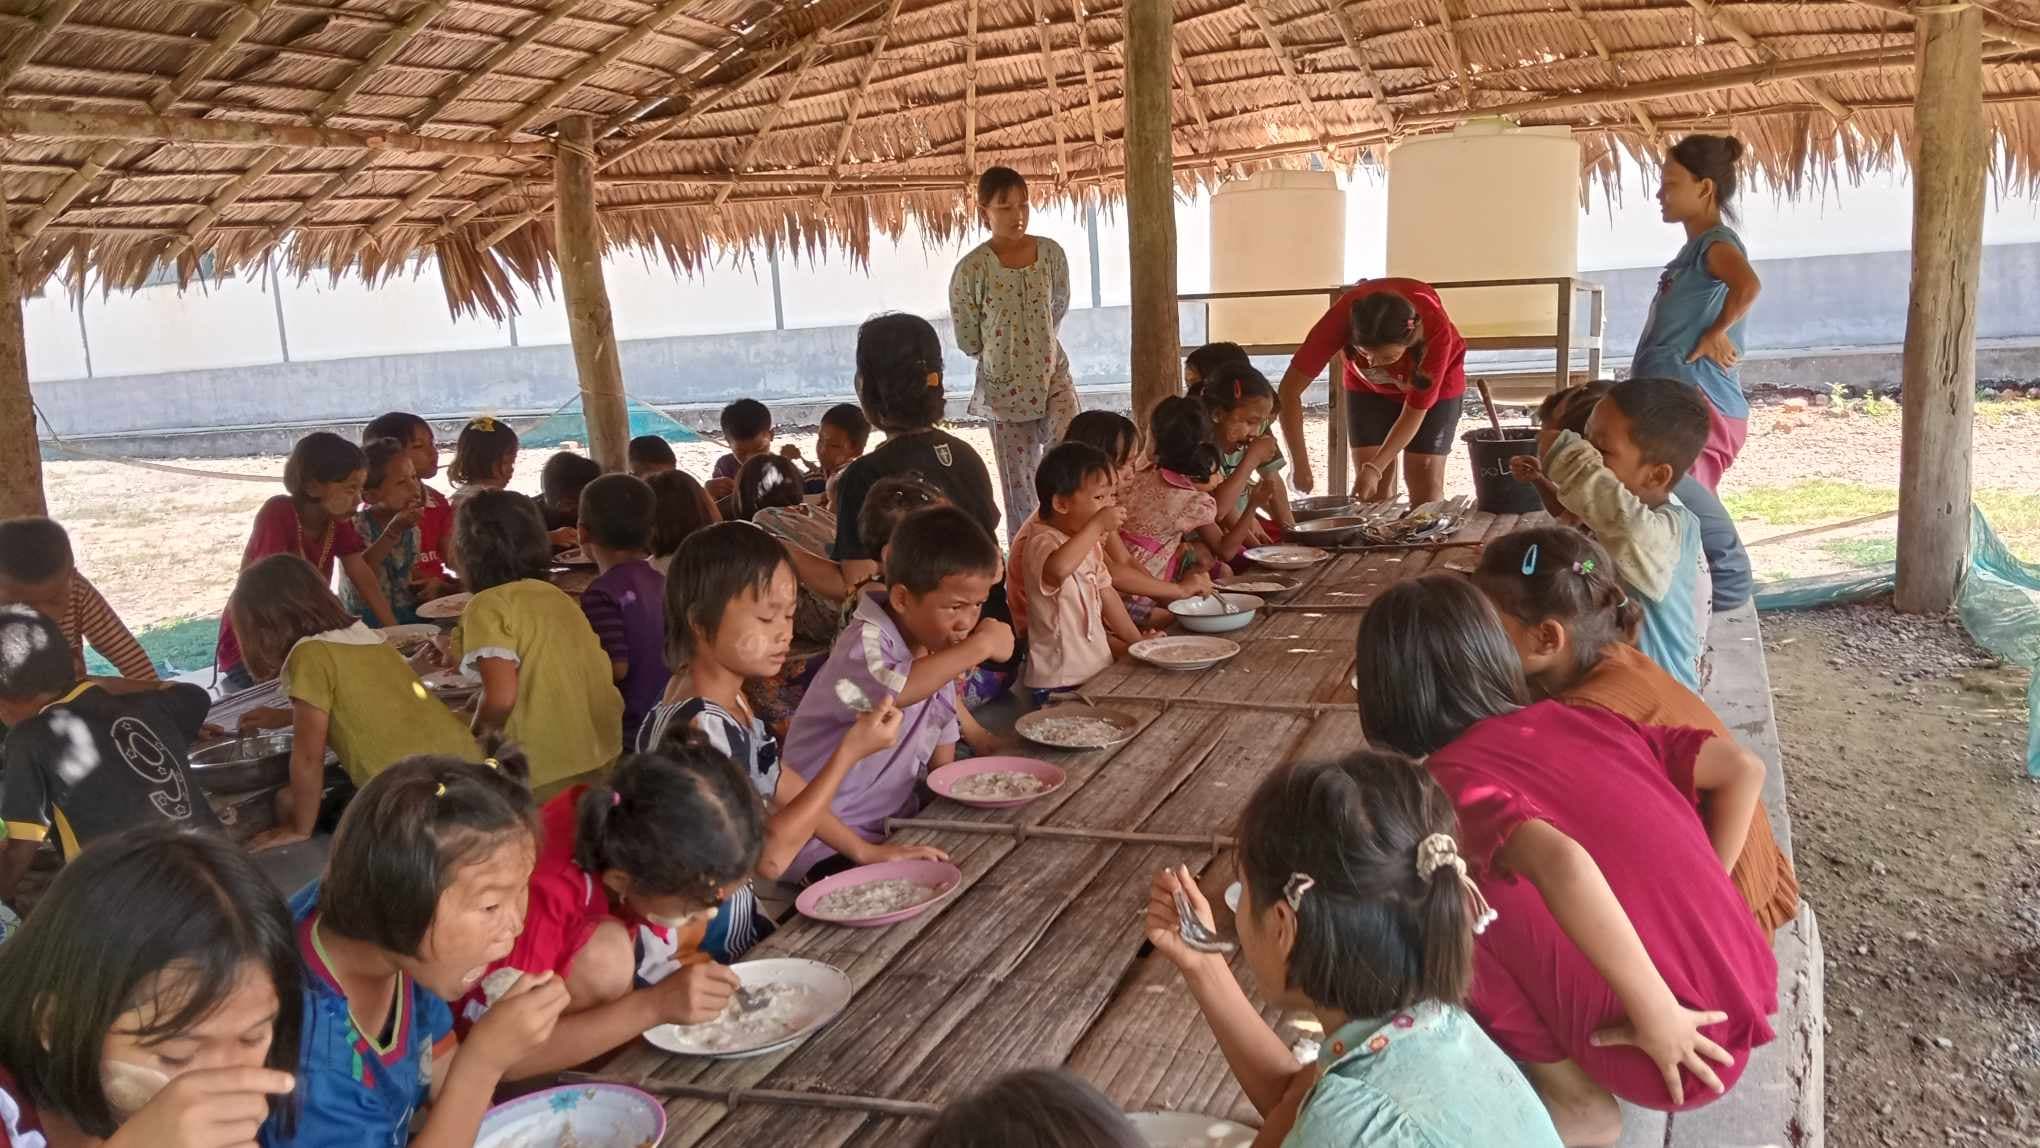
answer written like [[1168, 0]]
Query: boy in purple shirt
[[626, 604], [909, 640]]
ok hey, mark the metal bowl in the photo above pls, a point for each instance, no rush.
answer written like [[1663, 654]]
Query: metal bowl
[[1334, 531], [1320, 506], [1206, 615], [259, 762]]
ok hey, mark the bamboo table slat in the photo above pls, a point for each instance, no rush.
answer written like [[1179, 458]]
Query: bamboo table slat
[[1037, 958]]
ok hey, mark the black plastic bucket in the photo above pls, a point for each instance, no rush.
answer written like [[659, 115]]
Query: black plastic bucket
[[1495, 490]]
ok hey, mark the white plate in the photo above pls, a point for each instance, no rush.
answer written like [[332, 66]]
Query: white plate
[[452, 681], [831, 994], [1185, 653], [1287, 557], [444, 609], [595, 1115], [405, 635], [1189, 1130], [1030, 726]]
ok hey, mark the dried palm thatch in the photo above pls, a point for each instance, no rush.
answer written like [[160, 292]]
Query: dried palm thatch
[[355, 135]]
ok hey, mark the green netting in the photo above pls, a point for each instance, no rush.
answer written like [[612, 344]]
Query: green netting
[[1999, 606], [566, 425]]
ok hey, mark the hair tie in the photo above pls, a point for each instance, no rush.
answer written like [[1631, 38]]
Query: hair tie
[[1294, 889], [1530, 560], [1440, 851], [439, 790], [1583, 568]]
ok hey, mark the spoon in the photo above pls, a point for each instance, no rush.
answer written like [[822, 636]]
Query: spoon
[[1195, 934]]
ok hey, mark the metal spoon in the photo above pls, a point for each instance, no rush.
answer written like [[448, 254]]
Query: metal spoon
[[1193, 931]]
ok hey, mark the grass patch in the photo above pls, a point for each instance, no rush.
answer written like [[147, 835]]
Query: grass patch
[[1862, 551], [1810, 503], [175, 647]]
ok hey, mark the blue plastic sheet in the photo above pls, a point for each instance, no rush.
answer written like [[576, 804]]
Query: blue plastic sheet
[[566, 425], [1999, 605]]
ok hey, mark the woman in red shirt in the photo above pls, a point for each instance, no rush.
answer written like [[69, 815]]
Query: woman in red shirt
[[1405, 377]]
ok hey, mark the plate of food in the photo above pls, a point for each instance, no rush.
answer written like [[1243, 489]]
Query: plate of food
[[1189, 1130], [1287, 557], [883, 894], [1077, 727], [1186, 652], [452, 682], [1259, 585], [445, 609], [573, 557], [580, 1115], [407, 639], [996, 782], [782, 1001]]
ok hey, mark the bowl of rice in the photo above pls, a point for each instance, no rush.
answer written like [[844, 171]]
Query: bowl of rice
[[883, 894], [575, 1116], [996, 782], [1189, 1130], [1220, 613]]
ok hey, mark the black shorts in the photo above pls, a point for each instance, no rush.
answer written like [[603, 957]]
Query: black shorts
[[1369, 418]]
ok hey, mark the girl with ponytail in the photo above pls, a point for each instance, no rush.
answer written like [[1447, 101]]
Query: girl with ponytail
[[626, 887], [1562, 603], [1354, 904]]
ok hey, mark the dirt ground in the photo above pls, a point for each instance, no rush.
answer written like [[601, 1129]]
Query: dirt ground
[[1915, 836]]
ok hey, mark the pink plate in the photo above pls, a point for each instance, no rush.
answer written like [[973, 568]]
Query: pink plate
[[941, 874], [943, 781]]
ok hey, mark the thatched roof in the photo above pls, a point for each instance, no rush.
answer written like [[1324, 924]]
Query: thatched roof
[[356, 134]]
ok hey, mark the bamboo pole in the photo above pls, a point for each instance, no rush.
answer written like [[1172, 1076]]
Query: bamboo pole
[[1150, 204], [21, 490], [579, 236], [1952, 158], [734, 1096], [243, 133], [1212, 841]]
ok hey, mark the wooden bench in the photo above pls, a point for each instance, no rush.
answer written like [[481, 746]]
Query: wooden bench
[[1780, 1099]]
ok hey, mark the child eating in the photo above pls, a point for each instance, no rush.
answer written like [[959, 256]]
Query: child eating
[[37, 570], [650, 455], [626, 604], [86, 759], [435, 520], [151, 1001], [679, 508], [1139, 587], [425, 889], [1355, 905], [1242, 406], [484, 458], [348, 690], [747, 428], [629, 872], [1204, 363], [388, 521], [1059, 571], [910, 642], [730, 599], [1640, 439], [1565, 612], [560, 482], [769, 496], [1622, 963], [1170, 502], [547, 684], [841, 441]]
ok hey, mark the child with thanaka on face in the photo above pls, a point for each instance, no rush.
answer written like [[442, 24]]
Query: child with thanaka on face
[[629, 873], [38, 570], [425, 890], [1354, 905], [626, 603], [347, 690], [1141, 584], [1618, 479], [151, 1001], [747, 428], [730, 600], [1170, 505], [909, 642], [1562, 603], [1073, 622], [85, 759], [1623, 962], [435, 516], [393, 506], [1241, 403]]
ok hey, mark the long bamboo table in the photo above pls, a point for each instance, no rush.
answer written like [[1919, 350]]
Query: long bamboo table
[[1038, 958]]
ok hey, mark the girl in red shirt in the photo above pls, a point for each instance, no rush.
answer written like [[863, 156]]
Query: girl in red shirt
[[1405, 378]]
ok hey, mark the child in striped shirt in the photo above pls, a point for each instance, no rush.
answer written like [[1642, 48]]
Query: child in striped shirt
[[37, 570]]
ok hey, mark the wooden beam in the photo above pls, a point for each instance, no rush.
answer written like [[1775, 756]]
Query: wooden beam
[[194, 132], [52, 17], [1386, 113], [1458, 54], [1062, 158], [1189, 85], [871, 62], [579, 236], [1083, 18], [1151, 205], [758, 137], [970, 95], [1760, 52], [1993, 27], [1643, 118], [1288, 66], [1951, 162], [21, 490]]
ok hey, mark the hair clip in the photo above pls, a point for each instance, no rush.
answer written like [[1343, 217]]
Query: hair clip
[[1530, 560], [1583, 568], [482, 423], [439, 790], [1294, 889], [1440, 851], [615, 799], [492, 763]]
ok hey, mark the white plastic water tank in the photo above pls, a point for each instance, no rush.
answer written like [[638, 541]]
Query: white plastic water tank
[[1275, 231], [1489, 201]]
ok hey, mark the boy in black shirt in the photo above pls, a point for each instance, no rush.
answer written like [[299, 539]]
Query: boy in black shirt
[[87, 758]]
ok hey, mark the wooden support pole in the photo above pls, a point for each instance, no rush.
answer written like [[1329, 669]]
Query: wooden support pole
[[579, 236], [192, 131], [1151, 204], [1950, 162], [21, 490]]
